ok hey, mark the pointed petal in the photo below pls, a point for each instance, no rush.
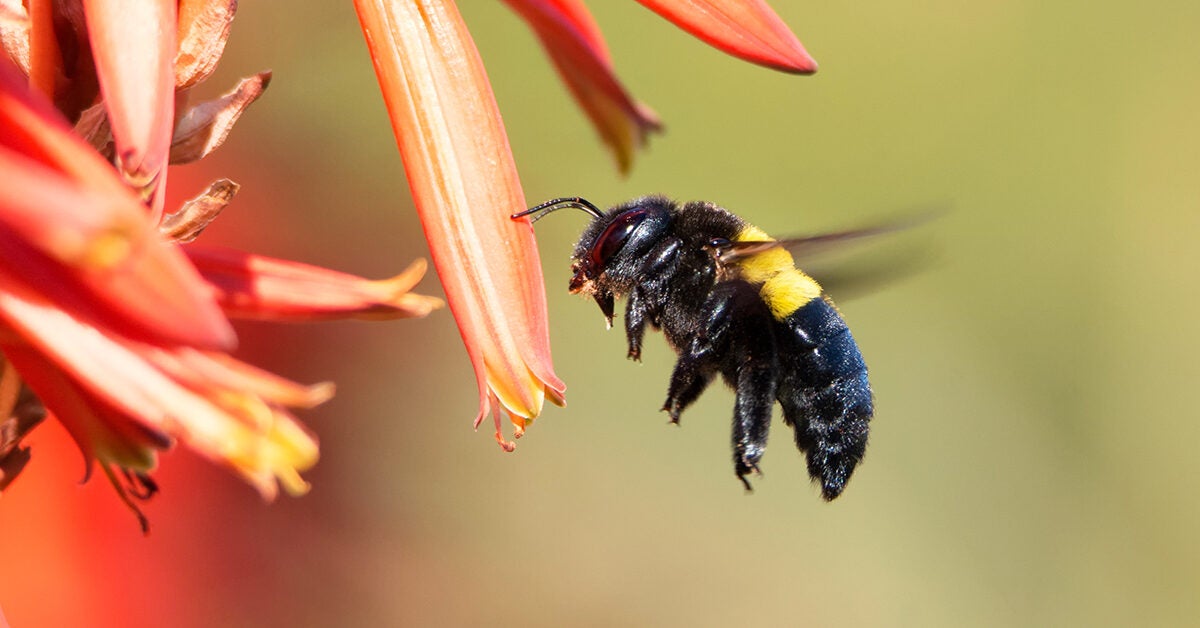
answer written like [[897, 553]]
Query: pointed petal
[[259, 287], [212, 372], [204, 127], [196, 214], [748, 29], [134, 48], [464, 182], [575, 45]]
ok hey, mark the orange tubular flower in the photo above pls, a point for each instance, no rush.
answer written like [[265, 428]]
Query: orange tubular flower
[[264, 288], [575, 45], [464, 182], [747, 29]]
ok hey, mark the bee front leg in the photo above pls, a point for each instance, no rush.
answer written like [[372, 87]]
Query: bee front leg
[[646, 298], [636, 312], [691, 376], [701, 358]]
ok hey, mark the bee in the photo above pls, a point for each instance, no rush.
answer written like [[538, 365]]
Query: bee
[[730, 300]]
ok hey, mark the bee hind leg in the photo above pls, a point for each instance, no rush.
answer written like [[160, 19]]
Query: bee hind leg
[[756, 384], [745, 352]]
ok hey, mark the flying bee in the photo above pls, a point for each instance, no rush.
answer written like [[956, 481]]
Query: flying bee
[[730, 300]]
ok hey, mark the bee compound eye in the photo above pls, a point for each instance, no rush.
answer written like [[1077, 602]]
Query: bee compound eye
[[615, 235]]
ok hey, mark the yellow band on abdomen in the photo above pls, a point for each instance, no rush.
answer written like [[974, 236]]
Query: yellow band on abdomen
[[784, 287]]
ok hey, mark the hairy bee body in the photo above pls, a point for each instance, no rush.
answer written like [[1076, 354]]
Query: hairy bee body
[[753, 318]]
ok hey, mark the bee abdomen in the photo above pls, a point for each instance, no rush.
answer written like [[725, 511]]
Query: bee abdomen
[[825, 394]]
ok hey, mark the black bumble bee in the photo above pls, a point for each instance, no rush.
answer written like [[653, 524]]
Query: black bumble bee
[[730, 300]]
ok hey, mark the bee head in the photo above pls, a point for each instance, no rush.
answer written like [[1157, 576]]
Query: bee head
[[607, 257], [608, 253]]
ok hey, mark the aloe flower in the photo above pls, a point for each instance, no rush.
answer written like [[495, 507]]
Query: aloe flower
[[464, 179], [106, 320], [113, 328], [747, 29]]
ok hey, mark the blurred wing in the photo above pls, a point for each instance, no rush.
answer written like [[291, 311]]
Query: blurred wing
[[813, 254], [805, 247]]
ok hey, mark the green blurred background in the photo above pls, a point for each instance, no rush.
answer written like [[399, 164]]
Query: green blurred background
[[1032, 459]]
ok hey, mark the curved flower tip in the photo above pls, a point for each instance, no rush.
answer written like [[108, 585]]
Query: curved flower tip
[[206, 126], [575, 45], [465, 186], [397, 291], [265, 288], [747, 29], [517, 397]]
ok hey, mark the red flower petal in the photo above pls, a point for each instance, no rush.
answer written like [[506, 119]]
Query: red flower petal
[[255, 286], [575, 45], [748, 29]]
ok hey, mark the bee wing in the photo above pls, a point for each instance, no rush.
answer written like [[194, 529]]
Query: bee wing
[[809, 251], [804, 247]]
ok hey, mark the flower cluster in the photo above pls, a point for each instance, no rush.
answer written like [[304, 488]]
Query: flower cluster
[[107, 320]]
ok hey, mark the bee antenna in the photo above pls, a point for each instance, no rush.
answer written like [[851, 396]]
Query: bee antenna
[[557, 204]]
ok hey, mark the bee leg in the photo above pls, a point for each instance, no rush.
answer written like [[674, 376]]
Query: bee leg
[[757, 380], [699, 361], [690, 377], [636, 311], [660, 264], [738, 341]]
